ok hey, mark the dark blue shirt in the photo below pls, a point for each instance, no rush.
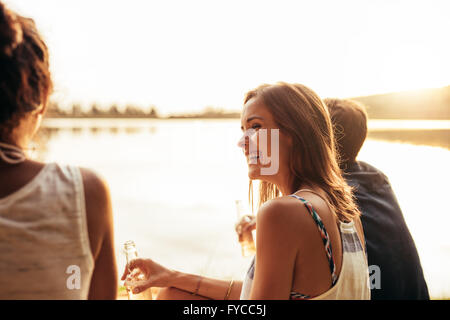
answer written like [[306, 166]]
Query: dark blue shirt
[[388, 240]]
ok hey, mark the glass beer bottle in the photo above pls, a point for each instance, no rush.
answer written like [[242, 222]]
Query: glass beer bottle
[[134, 275], [246, 237]]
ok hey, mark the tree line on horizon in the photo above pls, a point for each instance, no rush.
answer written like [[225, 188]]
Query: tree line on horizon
[[130, 111], [433, 104]]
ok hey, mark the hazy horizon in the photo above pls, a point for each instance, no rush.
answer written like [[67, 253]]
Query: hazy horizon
[[184, 56], [211, 108]]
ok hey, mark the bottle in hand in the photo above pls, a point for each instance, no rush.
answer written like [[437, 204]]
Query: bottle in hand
[[135, 275], [245, 237]]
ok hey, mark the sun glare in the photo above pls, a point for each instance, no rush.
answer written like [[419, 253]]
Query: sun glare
[[183, 56]]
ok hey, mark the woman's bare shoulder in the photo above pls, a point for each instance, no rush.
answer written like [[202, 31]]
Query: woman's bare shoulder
[[97, 196], [93, 182], [285, 214], [98, 208], [281, 206]]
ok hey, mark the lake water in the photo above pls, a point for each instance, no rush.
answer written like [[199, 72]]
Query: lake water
[[174, 182]]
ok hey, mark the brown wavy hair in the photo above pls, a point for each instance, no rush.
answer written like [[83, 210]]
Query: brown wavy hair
[[301, 114], [25, 81]]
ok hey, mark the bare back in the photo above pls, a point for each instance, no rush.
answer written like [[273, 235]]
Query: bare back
[[312, 270], [302, 251]]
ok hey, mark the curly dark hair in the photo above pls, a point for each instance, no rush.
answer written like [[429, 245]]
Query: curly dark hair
[[25, 81]]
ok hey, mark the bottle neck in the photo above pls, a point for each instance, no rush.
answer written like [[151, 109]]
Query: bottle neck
[[130, 250], [131, 254]]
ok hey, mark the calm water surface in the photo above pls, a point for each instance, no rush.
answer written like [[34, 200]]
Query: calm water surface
[[174, 182]]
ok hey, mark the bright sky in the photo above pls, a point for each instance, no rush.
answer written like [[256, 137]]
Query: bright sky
[[185, 55]]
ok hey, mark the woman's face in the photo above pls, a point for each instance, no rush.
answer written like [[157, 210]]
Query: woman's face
[[265, 146]]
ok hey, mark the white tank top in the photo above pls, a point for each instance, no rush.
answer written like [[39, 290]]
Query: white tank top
[[353, 280], [44, 245]]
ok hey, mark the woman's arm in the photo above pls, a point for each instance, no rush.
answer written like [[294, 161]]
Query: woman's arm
[[207, 287], [103, 283], [159, 276], [275, 251]]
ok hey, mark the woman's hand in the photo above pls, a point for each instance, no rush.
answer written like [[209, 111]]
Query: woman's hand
[[246, 224], [154, 275]]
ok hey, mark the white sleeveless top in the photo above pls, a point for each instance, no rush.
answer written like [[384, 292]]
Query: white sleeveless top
[[44, 243], [353, 280]]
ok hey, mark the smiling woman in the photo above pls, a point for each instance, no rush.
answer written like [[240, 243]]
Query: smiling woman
[[310, 168], [309, 236], [182, 56]]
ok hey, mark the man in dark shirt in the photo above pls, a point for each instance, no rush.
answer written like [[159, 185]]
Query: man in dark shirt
[[390, 246]]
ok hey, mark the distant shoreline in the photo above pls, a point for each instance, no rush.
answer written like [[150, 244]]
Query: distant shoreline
[[232, 116], [420, 132], [425, 104], [208, 118]]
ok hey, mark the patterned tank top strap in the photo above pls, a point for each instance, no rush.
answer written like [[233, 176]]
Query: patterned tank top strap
[[323, 234]]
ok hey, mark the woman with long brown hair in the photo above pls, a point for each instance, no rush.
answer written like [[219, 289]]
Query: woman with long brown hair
[[56, 228], [310, 242]]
